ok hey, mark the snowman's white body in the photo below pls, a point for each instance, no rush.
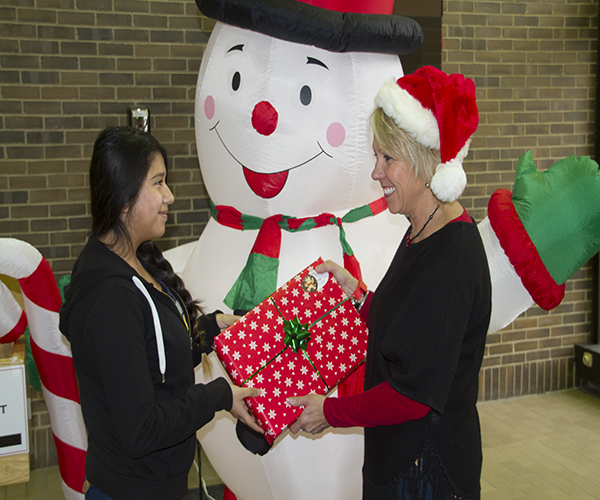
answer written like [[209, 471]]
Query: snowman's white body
[[322, 138]]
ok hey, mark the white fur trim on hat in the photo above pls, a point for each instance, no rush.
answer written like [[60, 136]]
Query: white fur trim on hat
[[409, 114], [450, 180]]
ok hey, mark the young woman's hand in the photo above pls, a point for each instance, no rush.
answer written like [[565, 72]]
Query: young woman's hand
[[342, 275], [238, 409]]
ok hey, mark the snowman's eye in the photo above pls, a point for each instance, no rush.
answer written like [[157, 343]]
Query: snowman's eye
[[305, 95], [235, 81]]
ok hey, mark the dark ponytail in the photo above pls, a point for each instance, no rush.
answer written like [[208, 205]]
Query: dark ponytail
[[153, 260]]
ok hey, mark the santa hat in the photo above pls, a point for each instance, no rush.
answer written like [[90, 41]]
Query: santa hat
[[439, 112], [334, 25]]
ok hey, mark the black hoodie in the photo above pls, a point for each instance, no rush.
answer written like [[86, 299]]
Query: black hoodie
[[141, 428]]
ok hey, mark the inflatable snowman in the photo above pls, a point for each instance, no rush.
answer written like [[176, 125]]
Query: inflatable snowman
[[284, 93], [282, 105]]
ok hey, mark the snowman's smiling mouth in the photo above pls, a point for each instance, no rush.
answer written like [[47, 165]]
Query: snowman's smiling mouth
[[267, 185]]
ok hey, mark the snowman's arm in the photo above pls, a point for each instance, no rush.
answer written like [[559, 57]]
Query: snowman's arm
[[529, 233]]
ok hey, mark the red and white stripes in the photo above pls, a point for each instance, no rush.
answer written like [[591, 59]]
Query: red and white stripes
[[51, 353]]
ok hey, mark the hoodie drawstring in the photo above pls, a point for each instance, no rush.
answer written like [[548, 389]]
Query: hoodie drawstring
[[160, 343]]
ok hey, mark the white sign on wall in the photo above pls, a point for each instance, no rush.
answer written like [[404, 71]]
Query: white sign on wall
[[14, 436]]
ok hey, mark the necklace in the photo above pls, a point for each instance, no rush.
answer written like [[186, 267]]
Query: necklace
[[409, 239]]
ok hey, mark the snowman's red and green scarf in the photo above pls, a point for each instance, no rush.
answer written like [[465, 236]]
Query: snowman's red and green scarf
[[258, 279]]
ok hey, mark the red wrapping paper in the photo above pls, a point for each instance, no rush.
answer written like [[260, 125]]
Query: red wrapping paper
[[254, 354]]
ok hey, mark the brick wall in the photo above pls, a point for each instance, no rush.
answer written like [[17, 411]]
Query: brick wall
[[68, 68], [534, 64]]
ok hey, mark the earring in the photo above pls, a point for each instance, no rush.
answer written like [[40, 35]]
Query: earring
[[427, 185]]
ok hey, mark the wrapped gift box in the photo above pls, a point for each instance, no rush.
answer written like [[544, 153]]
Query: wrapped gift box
[[305, 338]]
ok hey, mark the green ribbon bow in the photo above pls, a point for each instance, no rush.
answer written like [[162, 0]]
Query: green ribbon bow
[[297, 335]]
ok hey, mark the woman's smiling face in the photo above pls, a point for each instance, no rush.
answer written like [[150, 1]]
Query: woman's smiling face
[[399, 184]]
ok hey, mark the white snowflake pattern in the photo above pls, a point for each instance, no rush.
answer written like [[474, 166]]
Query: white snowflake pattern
[[318, 339], [357, 321], [304, 370], [300, 384], [288, 382], [284, 301], [236, 355], [276, 375], [353, 357], [331, 330], [318, 355], [266, 347], [276, 392], [329, 346], [265, 328], [295, 292], [306, 296], [330, 365], [354, 340], [341, 348], [250, 383], [279, 320], [260, 407], [332, 301], [253, 345], [315, 375], [344, 335], [345, 321], [225, 349], [272, 413], [343, 367], [259, 378], [253, 325], [227, 334], [278, 337], [334, 314], [269, 314], [291, 366], [318, 304], [249, 369]]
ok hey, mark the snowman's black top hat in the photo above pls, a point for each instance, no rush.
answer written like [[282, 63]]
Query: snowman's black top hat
[[322, 23]]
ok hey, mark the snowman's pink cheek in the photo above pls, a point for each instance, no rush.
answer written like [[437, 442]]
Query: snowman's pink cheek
[[336, 135], [209, 107]]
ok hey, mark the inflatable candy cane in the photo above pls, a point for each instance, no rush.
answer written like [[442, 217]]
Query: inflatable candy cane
[[51, 352]]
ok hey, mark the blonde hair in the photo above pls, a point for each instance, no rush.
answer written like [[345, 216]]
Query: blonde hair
[[398, 144]]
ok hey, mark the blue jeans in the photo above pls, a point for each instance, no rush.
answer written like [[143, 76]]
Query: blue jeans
[[425, 491], [94, 493]]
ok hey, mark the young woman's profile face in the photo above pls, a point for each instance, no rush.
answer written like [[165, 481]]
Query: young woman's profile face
[[147, 217]]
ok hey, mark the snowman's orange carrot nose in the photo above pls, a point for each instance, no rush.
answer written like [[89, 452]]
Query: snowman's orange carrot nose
[[264, 118]]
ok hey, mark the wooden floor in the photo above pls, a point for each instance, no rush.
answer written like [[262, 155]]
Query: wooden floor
[[534, 447]]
